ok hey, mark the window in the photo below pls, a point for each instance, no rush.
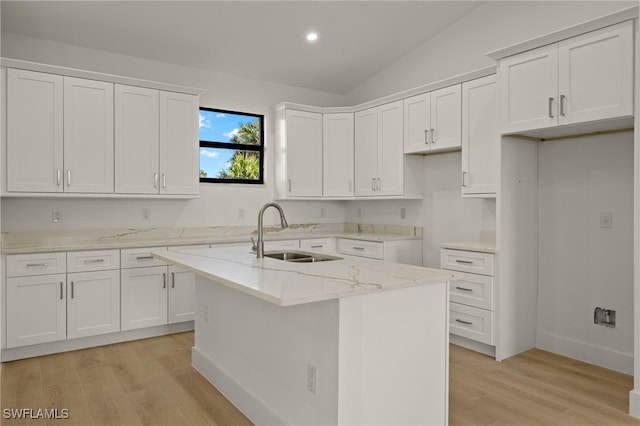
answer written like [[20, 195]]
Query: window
[[231, 146]]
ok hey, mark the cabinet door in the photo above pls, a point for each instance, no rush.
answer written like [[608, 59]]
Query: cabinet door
[[528, 87], [88, 136], [480, 137], [337, 146], [304, 153], [136, 140], [179, 162], [446, 122], [35, 151], [390, 149], [182, 295], [417, 119], [93, 303], [144, 297], [366, 151], [36, 310], [596, 75]]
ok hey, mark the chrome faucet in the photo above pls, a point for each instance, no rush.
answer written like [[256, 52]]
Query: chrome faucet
[[259, 247]]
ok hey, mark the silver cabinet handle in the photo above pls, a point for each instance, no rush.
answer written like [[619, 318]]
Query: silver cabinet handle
[[373, 184], [144, 257], [173, 280], [318, 246], [37, 265], [164, 280], [550, 107], [155, 180], [358, 248], [562, 104], [94, 261], [61, 291], [58, 176], [464, 262], [464, 174], [464, 288], [72, 290], [289, 182], [164, 181], [433, 136], [464, 322], [68, 177], [426, 136]]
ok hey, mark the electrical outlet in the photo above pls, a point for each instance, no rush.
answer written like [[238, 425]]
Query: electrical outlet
[[56, 216], [312, 379], [606, 220], [146, 214], [321, 211], [359, 213], [241, 214], [403, 212]]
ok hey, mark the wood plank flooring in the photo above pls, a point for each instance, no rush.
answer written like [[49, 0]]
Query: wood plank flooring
[[151, 382]]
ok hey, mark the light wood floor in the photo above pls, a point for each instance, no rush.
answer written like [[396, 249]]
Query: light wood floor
[[151, 382]]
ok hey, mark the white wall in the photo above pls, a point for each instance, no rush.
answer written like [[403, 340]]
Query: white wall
[[218, 204], [580, 265], [461, 47]]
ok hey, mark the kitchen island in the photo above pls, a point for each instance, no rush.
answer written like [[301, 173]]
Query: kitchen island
[[345, 341]]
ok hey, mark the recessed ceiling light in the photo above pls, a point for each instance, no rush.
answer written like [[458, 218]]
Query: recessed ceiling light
[[312, 36]]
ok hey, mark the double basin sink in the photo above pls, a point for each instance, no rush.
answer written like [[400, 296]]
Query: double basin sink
[[300, 256]]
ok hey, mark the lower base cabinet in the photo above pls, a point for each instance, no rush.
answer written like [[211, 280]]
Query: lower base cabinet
[[93, 303], [144, 297], [182, 295]]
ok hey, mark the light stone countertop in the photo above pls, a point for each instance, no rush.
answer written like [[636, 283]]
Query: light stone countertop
[[479, 246], [102, 239], [288, 283]]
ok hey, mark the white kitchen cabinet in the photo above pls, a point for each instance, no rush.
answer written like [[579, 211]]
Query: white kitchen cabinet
[[137, 147], [432, 121], [321, 245], [35, 151], [182, 295], [337, 157], [299, 154], [144, 297], [179, 160], [88, 136], [581, 79], [93, 303], [379, 159], [36, 309], [401, 251], [480, 138]]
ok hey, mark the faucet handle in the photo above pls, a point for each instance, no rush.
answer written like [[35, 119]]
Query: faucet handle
[[254, 246]]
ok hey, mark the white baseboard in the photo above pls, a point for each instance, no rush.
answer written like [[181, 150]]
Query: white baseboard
[[93, 341], [251, 406], [634, 403], [586, 352], [472, 345]]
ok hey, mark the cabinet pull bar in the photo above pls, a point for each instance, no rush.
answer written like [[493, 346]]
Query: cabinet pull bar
[[61, 290], [68, 177], [289, 182], [373, 184], [72, 290], [550, 107], [426, 136], [164, 280], [358, 248], [464, 262], [144, 257], [58, 176], [155, 180], [464, 288], [464, 322], [464, 174], [433, 135], [562, 104], [173, 280], [37, 265], [94, 261], [318, 246], [164, 181]]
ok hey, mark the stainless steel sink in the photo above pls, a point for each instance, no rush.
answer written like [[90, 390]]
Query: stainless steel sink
[[300, 256]]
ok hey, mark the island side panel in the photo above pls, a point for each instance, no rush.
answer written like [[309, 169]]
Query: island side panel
[[256, 353], [393, 357]]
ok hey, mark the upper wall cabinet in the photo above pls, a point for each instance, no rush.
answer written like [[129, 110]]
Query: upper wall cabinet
[[480, 138], [299, 154], [432, 121], [71, 147], [337, 154], [95, 138], [581, 79]]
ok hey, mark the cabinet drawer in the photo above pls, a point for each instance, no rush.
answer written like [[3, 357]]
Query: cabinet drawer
[[472, 323], [323, 245], [86, 261], [371, 249], [23, 265], [140, 257], [467, 261], [473, 290]]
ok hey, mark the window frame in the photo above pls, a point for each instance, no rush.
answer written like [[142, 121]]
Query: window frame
[[234, 147]]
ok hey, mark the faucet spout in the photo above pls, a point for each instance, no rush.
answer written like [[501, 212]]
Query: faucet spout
[[283, 223]]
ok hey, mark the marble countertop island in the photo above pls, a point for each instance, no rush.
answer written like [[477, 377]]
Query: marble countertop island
[[289, 283]]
